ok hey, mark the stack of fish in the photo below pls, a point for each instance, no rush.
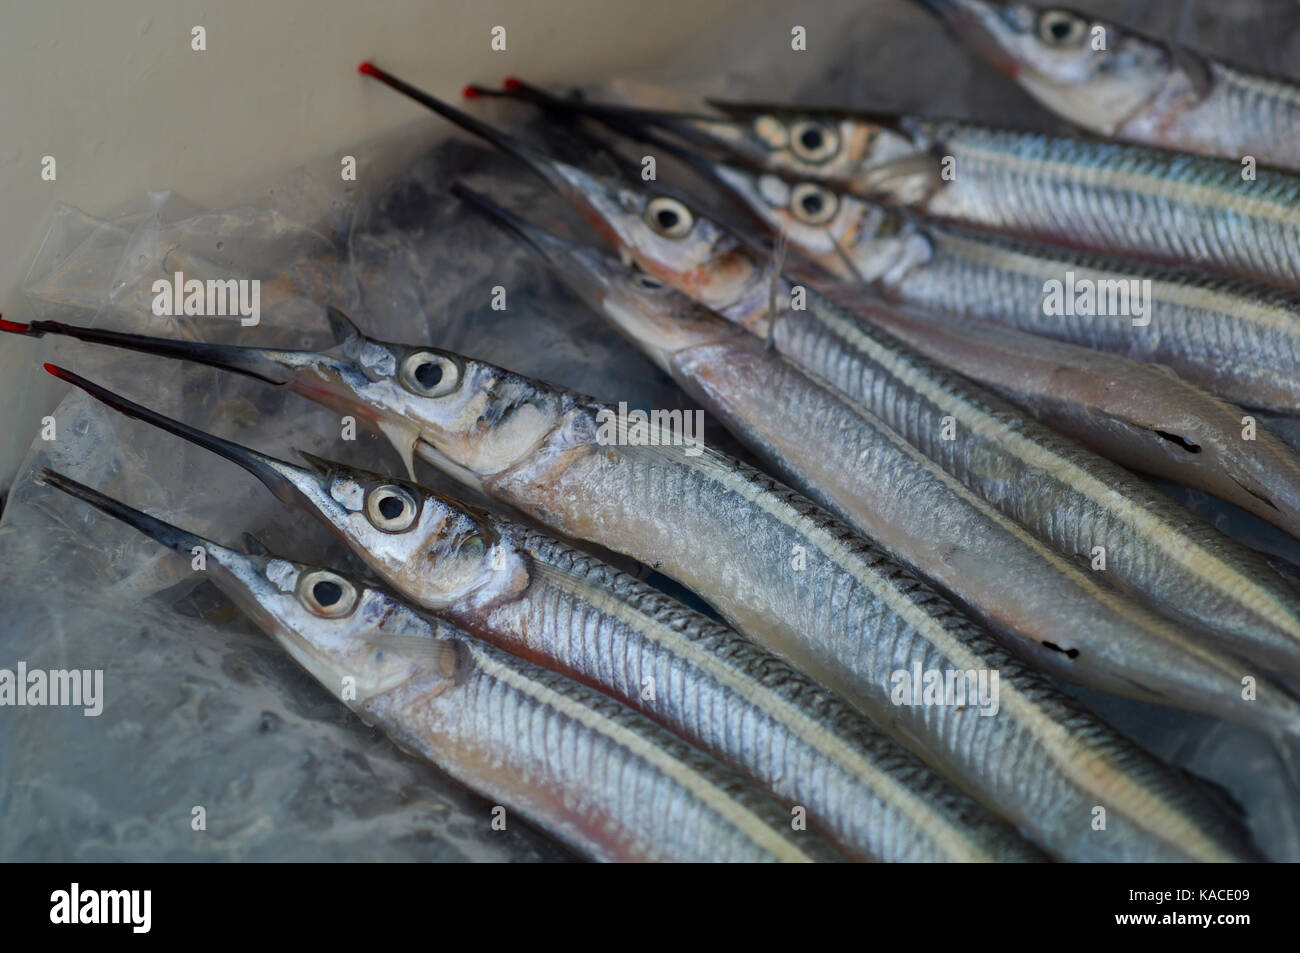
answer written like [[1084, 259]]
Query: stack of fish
[[949, 435]]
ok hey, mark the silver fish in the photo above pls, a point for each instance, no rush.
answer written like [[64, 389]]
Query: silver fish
[[850, 615], [599, 776], [1140, 415], [1116, 82], [540, 599], [1002, 454], [839, 454], [1114, 198]]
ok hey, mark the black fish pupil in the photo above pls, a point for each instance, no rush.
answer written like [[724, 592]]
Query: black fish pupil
[[811, 139], [391, 507], [1060, 29], [327, 593], [667, 218], [812, 204], [428, 374]]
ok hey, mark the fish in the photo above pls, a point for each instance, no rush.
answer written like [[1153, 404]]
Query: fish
[[822, 444], [538, 598], [1085, 194], [1142, 416], [1043, 761], [1119, 83], [1169, 557], [605, 780]]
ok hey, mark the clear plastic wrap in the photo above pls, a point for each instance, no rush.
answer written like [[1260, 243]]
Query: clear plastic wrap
[[201, 710]]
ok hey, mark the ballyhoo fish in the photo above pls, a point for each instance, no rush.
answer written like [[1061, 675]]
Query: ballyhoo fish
[[1116, 82], [1148, 542], [538, 598], [1042, 760], [1105, 197], [1238, 339], [604, 779], [1137, 414], [845, 458]]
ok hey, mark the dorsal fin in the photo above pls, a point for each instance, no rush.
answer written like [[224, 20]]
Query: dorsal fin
[[343, 328]]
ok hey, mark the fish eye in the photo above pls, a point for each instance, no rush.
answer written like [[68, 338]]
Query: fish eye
[[813, 204], [1061, 28], [813, 141], [391, 508], [647, 282], [669, 217], [426, 374], [326, 593]]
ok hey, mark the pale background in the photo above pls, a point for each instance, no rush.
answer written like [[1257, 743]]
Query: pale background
[[113, 91]]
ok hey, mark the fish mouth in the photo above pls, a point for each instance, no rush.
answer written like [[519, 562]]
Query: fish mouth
[[173, 537], [593, 196], [635, 122], [283, 479], [547, 167], [264, 364], [976, 24]]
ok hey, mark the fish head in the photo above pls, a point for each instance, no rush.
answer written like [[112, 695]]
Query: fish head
[[850, 237], [432, 549], [324, 619], [1089, 70], [659, 319], [666, 235], [479, 416], [428, 546], [836, 146]]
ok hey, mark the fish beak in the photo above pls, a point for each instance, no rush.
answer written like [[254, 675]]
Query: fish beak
[[606, 206], [698, 129], [165, 533], [983, 26], [578, 266], [290, 484], [264, 364], [557, 173]]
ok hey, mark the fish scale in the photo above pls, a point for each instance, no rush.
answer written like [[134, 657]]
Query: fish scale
[[520, 735], [1137, 88], [539, 724], [1238, 339], [1035, 728], [537, 598], [1154, 547], [1165, 207]]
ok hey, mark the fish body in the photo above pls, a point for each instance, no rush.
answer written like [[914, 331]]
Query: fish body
[[845, 458], [1142, 416], [1139, 415], [602, 778], [538, 598], [919, 631], [849, 616], [1070, 498], [1115, 198], [1118, 83], [1087, 194]]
